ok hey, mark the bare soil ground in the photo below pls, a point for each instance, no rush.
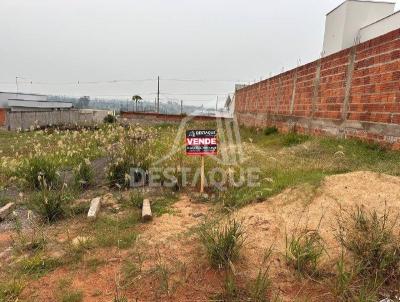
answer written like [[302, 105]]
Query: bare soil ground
[[173, 266]]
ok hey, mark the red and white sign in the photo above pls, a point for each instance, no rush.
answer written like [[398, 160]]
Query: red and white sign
[[201, 142]]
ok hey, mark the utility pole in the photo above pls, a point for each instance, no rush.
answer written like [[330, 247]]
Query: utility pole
[[216, 106], [181, 107], [158, 94]]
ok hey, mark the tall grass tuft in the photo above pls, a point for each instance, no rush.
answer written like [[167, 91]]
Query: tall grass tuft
[[259, 287], [83, 175], [223, 242], [38, 170], [304, 251], [370, 238], [51, 205]]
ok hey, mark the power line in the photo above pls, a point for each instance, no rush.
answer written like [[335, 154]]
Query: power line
[[79, 82]]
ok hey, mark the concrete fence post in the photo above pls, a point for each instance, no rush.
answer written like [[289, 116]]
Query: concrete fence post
[[349, 78], [293, 92], [315, 94]]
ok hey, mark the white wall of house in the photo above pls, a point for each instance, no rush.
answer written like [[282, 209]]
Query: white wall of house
[[380, 27], [344, 22]]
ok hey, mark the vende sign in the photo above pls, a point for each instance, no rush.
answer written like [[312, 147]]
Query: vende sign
[[201, 142]]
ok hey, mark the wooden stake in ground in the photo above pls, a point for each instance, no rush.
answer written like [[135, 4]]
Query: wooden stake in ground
[[202, 175], [146, 210]]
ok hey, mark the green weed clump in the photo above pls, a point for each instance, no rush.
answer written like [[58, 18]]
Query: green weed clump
[[37, 265], [370, 239], [270, 130], [304, 250], [51, 205], [37, 171], [292, 139], [83, 175], [9, 291], [136, 199], [223, 242]]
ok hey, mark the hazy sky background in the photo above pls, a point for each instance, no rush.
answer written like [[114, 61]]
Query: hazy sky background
[[60, 42]]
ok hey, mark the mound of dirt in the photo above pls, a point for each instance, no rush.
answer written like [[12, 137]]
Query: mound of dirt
[[268, 223]]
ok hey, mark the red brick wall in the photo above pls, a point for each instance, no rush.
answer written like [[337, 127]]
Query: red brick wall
[[352, 93], [2, 117]]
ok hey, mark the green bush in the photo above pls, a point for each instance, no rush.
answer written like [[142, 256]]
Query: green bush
[[38, 172], [270, 130], [110, 119], [51, 205], [83, 175], [222, 242], [304, 251]]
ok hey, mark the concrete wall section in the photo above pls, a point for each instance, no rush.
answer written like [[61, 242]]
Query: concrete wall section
[[352, 93], [25, 120]]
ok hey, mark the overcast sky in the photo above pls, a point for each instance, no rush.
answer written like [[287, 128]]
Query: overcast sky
[[60, 42]]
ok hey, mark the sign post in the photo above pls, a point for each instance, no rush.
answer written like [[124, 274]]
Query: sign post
[[201, 143], [202, 175]]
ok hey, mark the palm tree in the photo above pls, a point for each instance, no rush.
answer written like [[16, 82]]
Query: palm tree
[[136, 99]]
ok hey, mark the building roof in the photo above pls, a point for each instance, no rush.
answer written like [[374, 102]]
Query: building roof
[[37, 104], [367, 1], [23, 93]]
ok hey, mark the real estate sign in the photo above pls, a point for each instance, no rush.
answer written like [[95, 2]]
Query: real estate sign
[[201, 142]]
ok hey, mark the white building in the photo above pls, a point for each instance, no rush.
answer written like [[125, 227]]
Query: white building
[[357, 21], [27, 102]]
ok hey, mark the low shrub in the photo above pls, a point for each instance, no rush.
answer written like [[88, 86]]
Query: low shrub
[[370, 238], [304, 251], [39, 171], [83, 175], [222, 241], [270, 130], [110, 119]]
